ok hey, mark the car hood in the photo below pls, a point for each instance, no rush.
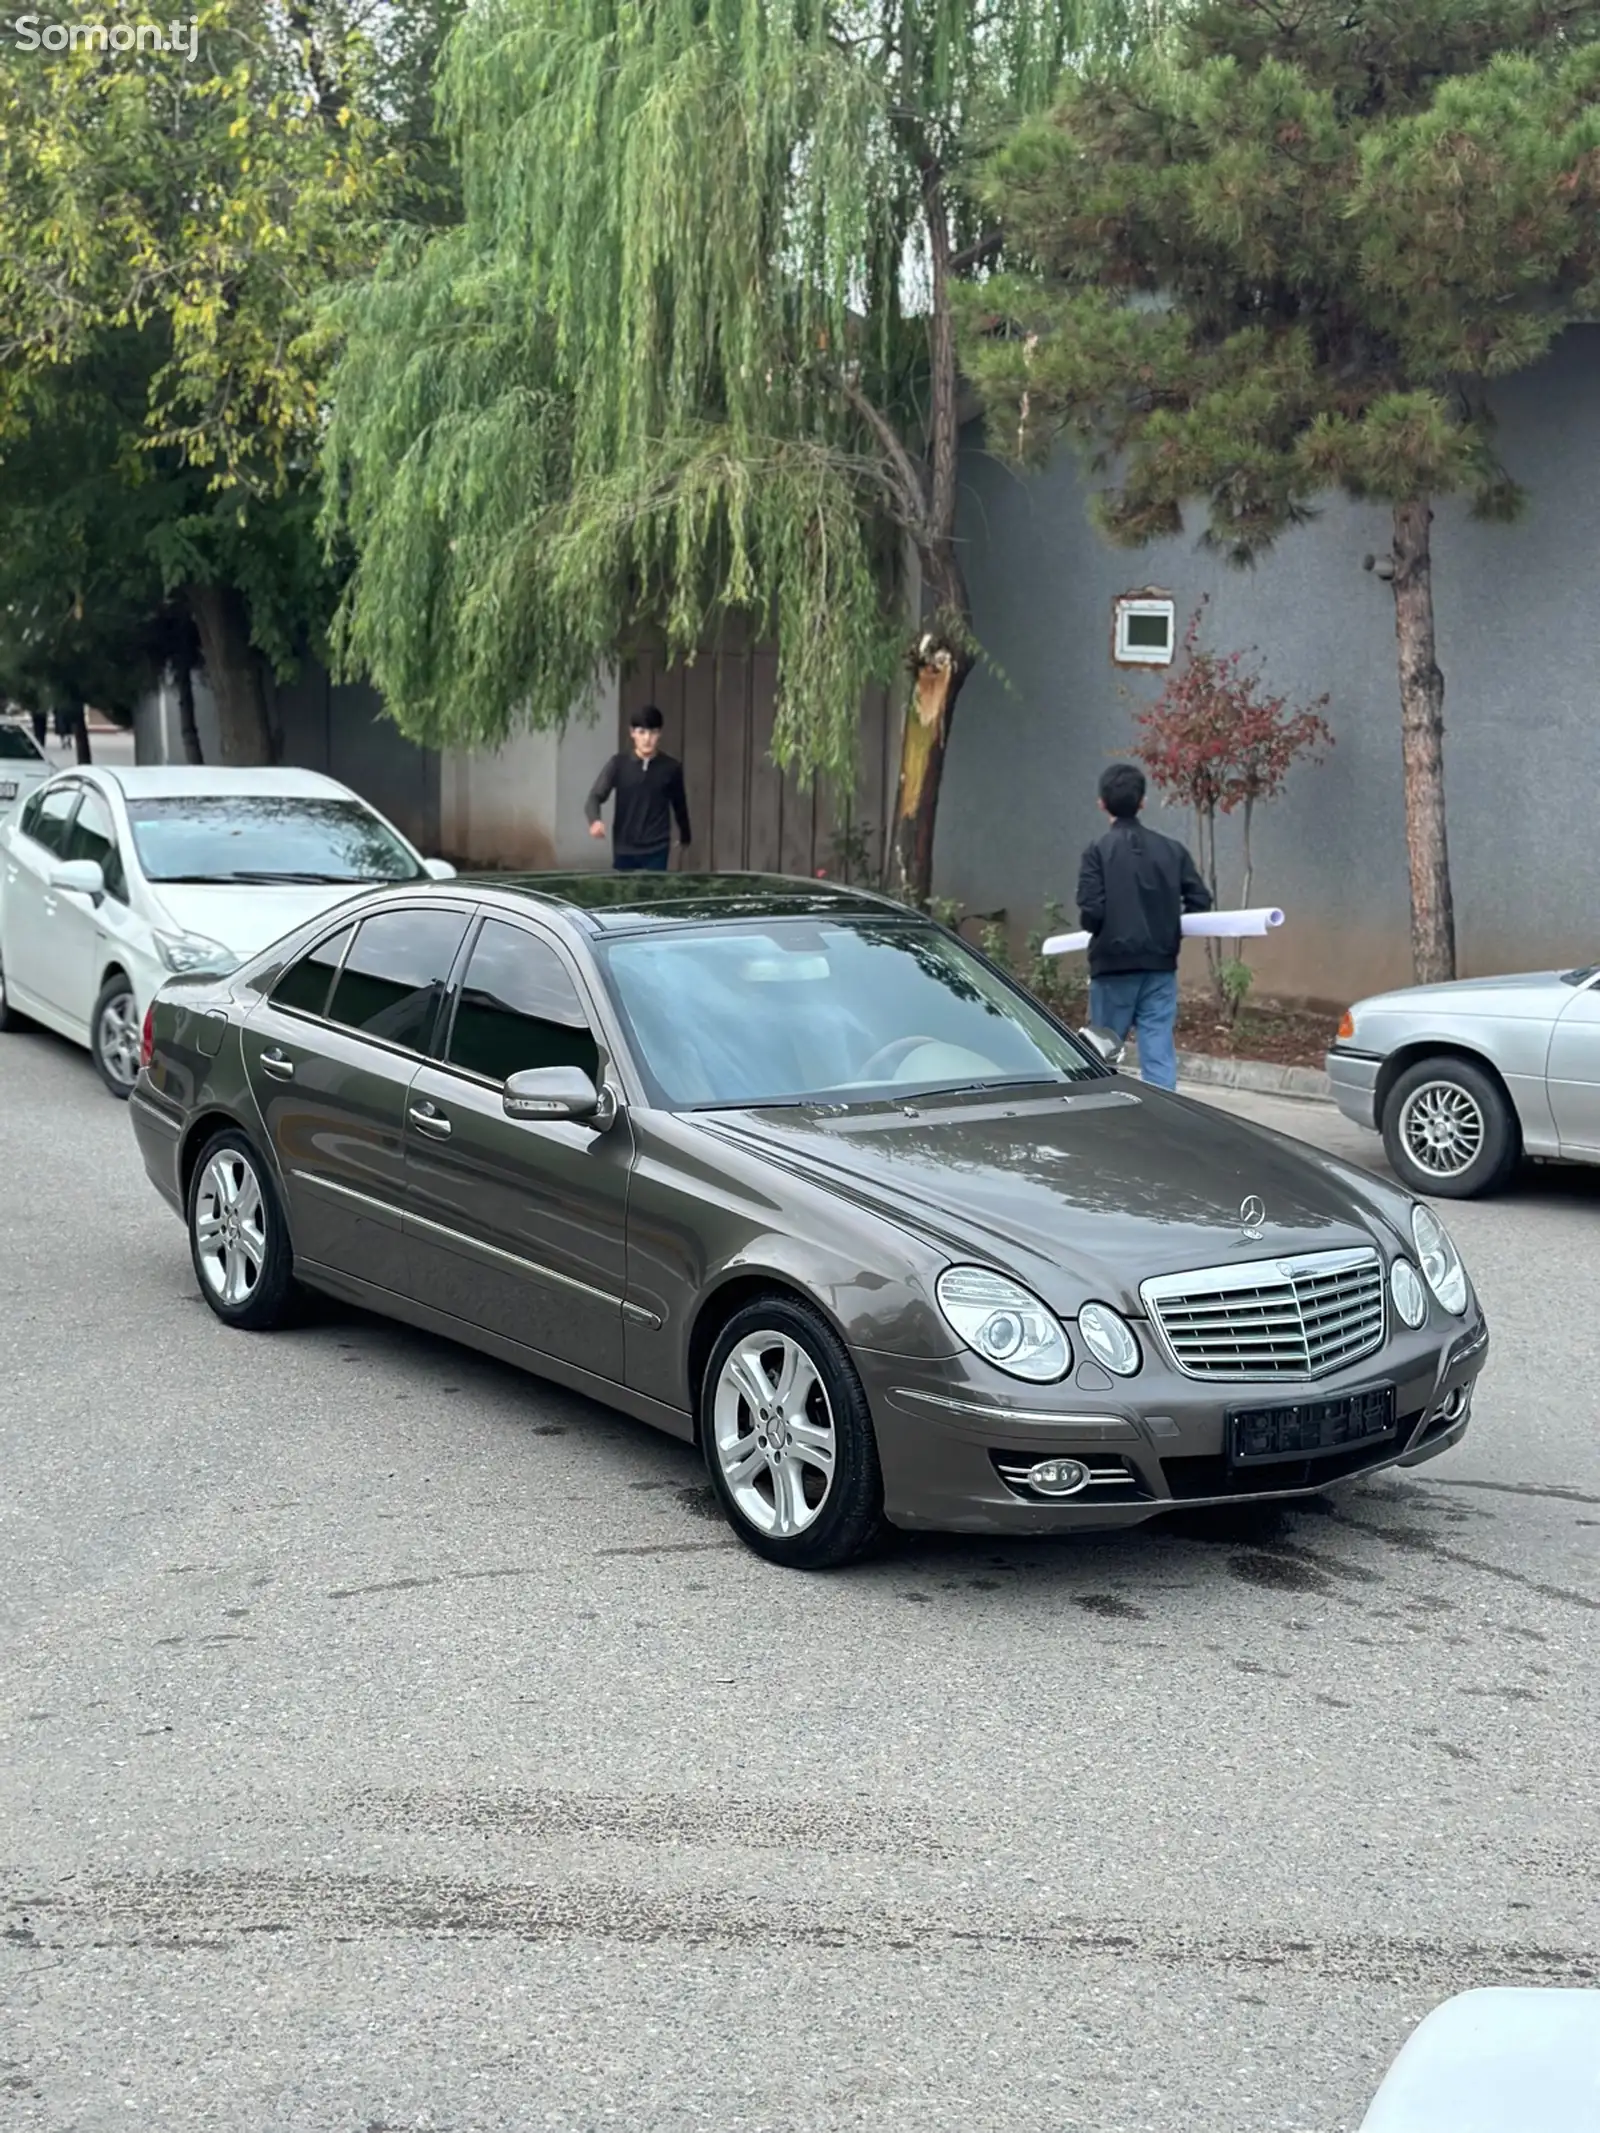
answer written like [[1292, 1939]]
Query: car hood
[[248, 916], [1082, 1194], [1540, 993]]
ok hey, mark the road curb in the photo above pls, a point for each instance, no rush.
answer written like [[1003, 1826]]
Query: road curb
[[1254, 1077]]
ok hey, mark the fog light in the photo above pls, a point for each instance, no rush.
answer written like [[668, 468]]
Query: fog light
[[1058, 1477], [1455, 1405]]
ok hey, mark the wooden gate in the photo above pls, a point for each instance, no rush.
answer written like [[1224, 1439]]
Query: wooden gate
[[745, 813]]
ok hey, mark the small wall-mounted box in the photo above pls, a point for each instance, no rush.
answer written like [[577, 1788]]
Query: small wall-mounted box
[[1144, 630]]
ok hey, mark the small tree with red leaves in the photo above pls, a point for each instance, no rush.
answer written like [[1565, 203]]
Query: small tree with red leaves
[[1217, 742]]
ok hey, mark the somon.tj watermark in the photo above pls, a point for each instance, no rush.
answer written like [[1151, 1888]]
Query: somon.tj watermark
[[31, 33]]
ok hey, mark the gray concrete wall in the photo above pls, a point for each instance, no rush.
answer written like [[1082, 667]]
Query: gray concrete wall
[[322, 725], [1522, 706]]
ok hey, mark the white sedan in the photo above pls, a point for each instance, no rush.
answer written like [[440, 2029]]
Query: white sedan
[[23, 765], [113, 881]]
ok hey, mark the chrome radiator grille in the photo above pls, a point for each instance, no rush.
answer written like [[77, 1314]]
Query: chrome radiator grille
[[1272, 1318]]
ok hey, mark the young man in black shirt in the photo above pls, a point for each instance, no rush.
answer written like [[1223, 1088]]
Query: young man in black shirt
[[1133, 888], [649, 792]]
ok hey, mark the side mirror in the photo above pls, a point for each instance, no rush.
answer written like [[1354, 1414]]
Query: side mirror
[[438, 870], [1109, 1046], [80, 877], [552, 1093]]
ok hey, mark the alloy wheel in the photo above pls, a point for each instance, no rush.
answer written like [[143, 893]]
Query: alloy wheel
[[117, 1038], [775, 1440], [230, 1228], [1442, 1127]]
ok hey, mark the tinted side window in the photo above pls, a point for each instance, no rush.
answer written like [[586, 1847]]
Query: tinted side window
[[304, 985], [45, 819], [394, 977], [93, 836], [519, 1009]]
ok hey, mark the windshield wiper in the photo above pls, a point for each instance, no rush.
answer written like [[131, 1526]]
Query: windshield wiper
[[969, 1088], [262, 876]]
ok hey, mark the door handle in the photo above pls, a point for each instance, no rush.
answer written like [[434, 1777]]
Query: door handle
[[429, 1119], [278, 1064]]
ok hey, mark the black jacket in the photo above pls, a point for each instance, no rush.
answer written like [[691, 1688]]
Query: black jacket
[[648, 794], [1133, 888]]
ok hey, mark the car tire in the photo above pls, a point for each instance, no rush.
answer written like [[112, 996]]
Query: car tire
[[788, 1438], [238, 1238], [1449, 1130], [114, 1035]]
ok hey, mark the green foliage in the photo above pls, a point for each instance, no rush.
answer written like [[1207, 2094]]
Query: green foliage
[[1234, 980], [676, 363], [853, 853], [169, 227], [1293, 257]]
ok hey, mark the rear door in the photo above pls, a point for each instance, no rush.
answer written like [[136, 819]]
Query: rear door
[[331, 1057], [1574, 1073], [516, 1226], [30, 904]]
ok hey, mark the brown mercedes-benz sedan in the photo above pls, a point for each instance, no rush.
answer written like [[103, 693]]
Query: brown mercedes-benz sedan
[[786, 1169]]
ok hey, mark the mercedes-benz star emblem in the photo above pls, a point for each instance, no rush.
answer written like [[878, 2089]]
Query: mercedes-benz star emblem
[[1252, 1213]]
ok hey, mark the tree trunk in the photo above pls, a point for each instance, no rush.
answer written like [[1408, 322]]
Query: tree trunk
[[233, 667], [192, 751], [1433, 922], [941, 658], [939, 664]]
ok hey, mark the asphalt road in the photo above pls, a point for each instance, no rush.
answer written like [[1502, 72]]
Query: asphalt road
[[391, 1743]]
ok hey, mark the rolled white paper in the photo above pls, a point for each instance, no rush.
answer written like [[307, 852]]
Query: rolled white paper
[[1230, 925], [1215, 925]]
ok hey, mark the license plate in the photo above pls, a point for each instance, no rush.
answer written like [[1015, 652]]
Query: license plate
[[1306, 1427], [9, 788]]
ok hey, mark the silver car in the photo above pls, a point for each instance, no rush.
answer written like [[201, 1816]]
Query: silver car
[[1464, 1080], [23, 765]]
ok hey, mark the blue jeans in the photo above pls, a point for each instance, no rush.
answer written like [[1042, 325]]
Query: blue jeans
[[643, 862], [1145, 1001]]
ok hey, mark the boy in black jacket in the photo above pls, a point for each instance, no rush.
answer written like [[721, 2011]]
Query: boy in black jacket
[[1134, 886], [649, 790]]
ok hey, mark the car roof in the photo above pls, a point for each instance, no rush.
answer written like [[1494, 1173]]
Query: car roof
[[618, 903], [184, 781]]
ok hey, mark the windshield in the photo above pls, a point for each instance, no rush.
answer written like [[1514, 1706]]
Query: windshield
[[792, 1011], [1580, 977], [16, 745], [259, 837]]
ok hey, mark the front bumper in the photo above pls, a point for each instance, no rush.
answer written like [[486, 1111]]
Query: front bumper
[[1354, 1077], [947, 1436]]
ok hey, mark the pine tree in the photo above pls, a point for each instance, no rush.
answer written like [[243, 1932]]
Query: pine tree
[[1296, 259]]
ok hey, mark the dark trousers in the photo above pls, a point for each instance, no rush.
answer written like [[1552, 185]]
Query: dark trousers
[[644, 862]]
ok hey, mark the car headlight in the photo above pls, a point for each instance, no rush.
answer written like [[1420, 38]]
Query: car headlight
[[1441, 1262], [187, 953], [1004, 1323], [1410, 1297], [1109, 1339]]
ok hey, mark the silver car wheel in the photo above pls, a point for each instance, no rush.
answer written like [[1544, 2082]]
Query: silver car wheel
[[230, 1228], [117, 1039], [1442, 1127], [775, 1440]]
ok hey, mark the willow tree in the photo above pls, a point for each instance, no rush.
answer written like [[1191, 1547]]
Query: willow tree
[[688, 353], [1293, 256]]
